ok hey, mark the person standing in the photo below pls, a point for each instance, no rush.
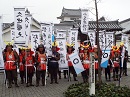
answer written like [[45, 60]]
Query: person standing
[[86, 62], [29, 61], [53, 65], [21, 65], [41, 59], [10, 64], [125, 63], [108, 69], [70, 50], [116, 61]]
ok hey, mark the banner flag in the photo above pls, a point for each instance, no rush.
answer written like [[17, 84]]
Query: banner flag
[[102, 40], [45, 31], [27, 27], [84, 21], [73, 37], [49, 42], [61, 34], [12, 34], [125, 40], [109, 40], [92, 74], [19, 25], [74, 58], [106, 40], [122, 56], [1, 44], [35, 40], [91, 34], [105, 58], [62, 45]]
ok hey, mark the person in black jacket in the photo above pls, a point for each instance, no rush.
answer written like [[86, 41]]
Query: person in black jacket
[[108, 70], [53, 65], [125, 63]]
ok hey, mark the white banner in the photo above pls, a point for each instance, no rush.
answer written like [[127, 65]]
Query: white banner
[[27, 27], [92, 75], [84, 21], [105, 57], [49, 40], [106, 40], [109, 40], [12, 34], [122, 56], [62, 62], [102, 40], [35, 40], [19, 24], [1, 43], [125, 40], [92, 37], [61, 34], [45, 31], [74, 58], [73, 37]]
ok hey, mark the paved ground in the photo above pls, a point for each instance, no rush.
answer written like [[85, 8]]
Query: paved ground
[[50, 90]]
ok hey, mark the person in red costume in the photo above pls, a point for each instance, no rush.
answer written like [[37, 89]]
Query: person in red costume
[[70, 50], [29, 60], [85, 58], [21, 65], [10, 64], [41, 59], [116, 60]]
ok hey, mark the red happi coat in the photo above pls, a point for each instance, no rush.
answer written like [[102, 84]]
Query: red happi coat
[[10, 60], [21, 68], [69, 62], [41, 60], [86, 61], [29, 64]]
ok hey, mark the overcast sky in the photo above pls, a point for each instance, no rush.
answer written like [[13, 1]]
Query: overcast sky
[[48, 10]]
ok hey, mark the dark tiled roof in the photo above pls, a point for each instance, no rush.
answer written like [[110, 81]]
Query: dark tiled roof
[[70, 12], [103, 25], [7, 25], [125, 21]]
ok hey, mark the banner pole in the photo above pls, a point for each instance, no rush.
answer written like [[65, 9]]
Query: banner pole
[[26, 64], [46, 74]]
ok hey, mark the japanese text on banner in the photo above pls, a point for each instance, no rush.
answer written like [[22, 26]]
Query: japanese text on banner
[[62, 46], [45, 31], [35, 40], [19, 15], [27, 27], [91, 35], [73, 38], [84, 20]]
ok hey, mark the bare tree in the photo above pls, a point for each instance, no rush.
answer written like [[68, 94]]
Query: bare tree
[[97, 42]]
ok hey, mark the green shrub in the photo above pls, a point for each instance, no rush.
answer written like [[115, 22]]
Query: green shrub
[[103, 90]]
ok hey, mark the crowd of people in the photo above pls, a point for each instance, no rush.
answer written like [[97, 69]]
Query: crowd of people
[[47, 64]]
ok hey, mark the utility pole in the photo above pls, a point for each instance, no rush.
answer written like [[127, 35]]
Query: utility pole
[[97, 42]]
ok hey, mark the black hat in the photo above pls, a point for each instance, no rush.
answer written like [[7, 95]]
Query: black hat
[[41, 46], [9, 45]]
